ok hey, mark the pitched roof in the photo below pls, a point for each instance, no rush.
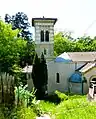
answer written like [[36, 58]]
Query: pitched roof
[[63, 58], [76, 57], [82, 56], [33, 19], [87, 67]]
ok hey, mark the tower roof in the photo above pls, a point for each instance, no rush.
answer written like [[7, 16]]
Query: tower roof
[[33, 19]]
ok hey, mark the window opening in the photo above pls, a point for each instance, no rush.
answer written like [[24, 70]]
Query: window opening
[[47, 36], [57, 78], [42, 36], [45, 51]]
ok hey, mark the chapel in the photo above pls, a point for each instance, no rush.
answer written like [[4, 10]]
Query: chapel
[[70, 71]]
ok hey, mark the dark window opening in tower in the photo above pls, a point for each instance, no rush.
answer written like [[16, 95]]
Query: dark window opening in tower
[[47, 36], [42, 36], [44, 51], [57, 78]]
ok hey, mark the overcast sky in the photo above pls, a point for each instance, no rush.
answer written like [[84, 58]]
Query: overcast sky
[[77, 16]]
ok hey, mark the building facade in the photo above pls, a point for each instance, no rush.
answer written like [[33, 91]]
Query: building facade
[[70, 71]]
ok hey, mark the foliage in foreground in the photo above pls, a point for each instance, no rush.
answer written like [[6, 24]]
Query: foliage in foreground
[[11, 47], [75, 107], [21, 108], [17, 113]]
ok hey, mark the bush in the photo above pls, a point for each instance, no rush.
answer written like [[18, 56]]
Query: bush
[[1, 114], [53, 98], [25, 113], [62, 96], [19, 112], [56, 98]]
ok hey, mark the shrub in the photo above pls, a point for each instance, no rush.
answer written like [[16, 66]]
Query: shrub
[[62, 96], [1, 114], [19, 112], [23, 96], [22, 113], [56, 98], [26, 113], [53, 98]]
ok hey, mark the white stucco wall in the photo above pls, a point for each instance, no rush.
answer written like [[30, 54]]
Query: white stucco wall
[[65, 70]]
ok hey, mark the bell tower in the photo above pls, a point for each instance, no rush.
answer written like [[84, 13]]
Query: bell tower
[[44, 36]]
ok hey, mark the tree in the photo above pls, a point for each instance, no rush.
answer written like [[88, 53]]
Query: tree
[[44, 75], [29, 54], [82, 44], [20, 21], [40, 77], [62, 44], [12, 48], [36, 72]]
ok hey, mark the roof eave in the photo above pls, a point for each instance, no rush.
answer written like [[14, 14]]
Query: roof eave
[[33, 19]]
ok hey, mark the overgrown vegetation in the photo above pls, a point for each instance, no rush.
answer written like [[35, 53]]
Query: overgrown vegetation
[[64, 43], [70, 107], [76, 107], [22, 106]]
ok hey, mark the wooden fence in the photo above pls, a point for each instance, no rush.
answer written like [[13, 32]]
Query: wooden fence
[[7, 85]]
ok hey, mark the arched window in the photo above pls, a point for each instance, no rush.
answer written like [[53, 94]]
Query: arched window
[[47, 36], [57, 78], [94, 79], [42, 36]]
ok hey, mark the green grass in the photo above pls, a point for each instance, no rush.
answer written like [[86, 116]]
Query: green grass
[[72, 107], [76, 107]]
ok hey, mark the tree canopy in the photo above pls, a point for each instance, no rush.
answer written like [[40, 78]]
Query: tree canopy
[[20, 21], [65, 44], [12, 48]]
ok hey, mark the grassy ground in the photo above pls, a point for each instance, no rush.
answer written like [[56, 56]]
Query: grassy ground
[[76, 107], [72, 107]]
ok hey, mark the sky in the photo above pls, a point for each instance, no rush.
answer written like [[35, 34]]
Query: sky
[[77, 16]]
